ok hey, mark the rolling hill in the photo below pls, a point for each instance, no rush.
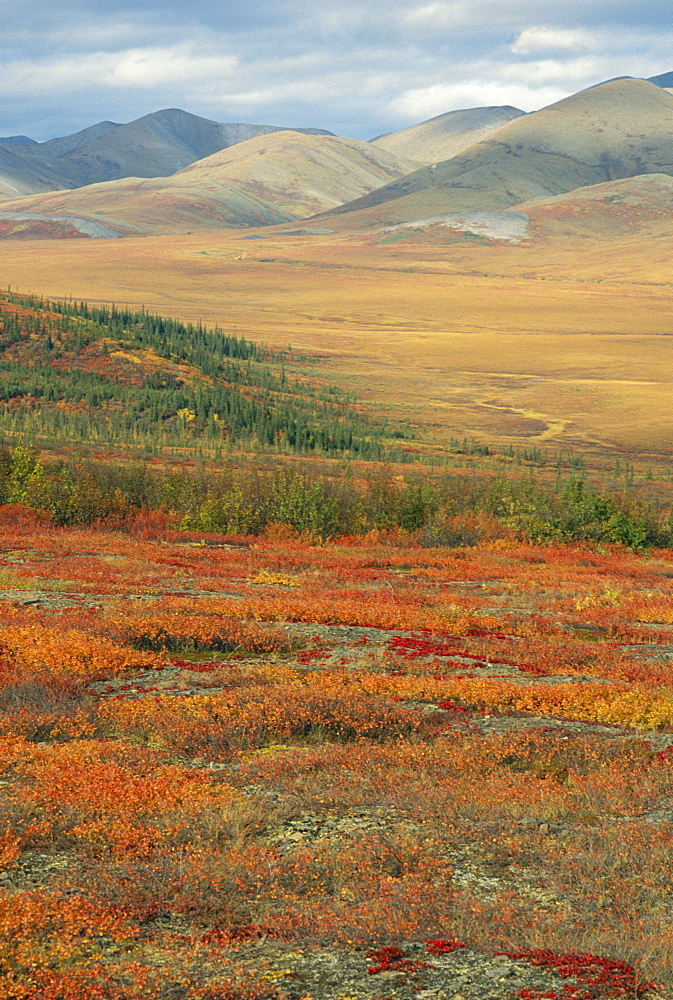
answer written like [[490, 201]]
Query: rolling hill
[[172, 172], [73, 373], [446, 135], [274, 178], [614, 130], [603, 212], [155, 145], [640, 206]]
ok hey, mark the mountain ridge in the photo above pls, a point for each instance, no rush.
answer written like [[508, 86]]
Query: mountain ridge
[[616, 129], [172, 171], [269, 179], [155, 145], [446, 135]]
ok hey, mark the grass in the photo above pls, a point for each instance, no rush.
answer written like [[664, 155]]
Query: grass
[[422, 329]]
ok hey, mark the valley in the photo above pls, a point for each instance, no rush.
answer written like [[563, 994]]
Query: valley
[[336, 547], [461, 339], [517, 292]]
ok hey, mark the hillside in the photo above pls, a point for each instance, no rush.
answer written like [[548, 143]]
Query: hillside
[[446, 135], [276, 767], [606, 212], [640, 206], [71, 374], [19, 178], [615, 130], [265, 180], [155, 145]]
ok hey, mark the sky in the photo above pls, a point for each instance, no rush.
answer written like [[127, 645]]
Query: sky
[[356, 67]]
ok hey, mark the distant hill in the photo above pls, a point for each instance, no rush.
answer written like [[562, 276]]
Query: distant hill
[[614, 130], [609, 211], [638, 207], [155, 145], [662, 80], [446, 135], [17, 177], [171, 171], [17, 140], [277, 177]]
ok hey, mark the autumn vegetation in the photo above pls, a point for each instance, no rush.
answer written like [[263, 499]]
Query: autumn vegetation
[[257, 688], [78, 374], [495, 717]]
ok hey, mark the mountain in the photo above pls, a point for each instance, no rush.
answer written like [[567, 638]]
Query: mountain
[[172, 171], [155, 145], [17, 140], [18, 178], [662, 80], [277, 177], [55, 150], [446, 135], [616, 129]]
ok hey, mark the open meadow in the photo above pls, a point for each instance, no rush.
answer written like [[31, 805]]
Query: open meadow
[[543, 344]]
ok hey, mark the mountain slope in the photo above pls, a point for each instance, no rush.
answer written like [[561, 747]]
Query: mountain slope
[[617, 129], [662, 80], [446, 135], [605, 212], [17, 140], [155, 145], [92, 373], [273, 178], [18, 178]]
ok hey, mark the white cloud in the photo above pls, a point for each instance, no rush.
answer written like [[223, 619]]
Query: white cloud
[[152, 67], [584, 70], [420, 103], [541, 39], [438, 15], [246, 99], [142, 68]]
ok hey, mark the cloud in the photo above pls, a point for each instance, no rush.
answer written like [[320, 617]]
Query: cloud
[[421, 103], [357, 67], [143, 68], [540, 39], [560, 72], [438, 15]]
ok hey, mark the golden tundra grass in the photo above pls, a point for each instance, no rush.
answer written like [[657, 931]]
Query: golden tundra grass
[[546, 345]]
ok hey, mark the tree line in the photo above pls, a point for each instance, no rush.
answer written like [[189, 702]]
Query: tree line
[[440, 510]]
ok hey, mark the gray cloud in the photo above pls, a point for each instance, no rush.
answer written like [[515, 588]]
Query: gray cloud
[[358, 67]]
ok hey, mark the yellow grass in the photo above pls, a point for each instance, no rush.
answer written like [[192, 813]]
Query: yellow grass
[[559, 345]]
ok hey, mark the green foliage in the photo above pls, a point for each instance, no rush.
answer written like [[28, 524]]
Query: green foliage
[[24, 471], [418, 503], [576, 513], [66, 375], [440, 511]]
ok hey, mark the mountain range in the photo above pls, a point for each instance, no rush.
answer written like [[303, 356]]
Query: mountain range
[[615, 130], [155, 145], [172, 171]]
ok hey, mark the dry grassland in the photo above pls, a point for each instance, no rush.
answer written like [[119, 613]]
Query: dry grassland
[[562, 344]]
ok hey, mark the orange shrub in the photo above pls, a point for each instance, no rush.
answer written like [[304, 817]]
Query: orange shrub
[[50, 945], [108, 796], [40, 650]]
